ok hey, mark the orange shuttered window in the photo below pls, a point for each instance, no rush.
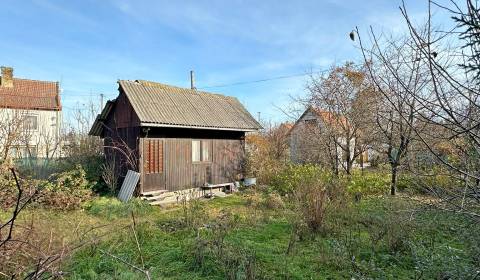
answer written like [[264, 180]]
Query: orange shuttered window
[[153, 156]]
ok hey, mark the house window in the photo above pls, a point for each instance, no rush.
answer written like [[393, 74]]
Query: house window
[[23, 151], [30, 122], [205, 151], [153, 156], [311, 122], [200, 150], [196, 156]]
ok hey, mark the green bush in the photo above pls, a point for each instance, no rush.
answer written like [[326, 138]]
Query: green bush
[[8, 191], [293, 176], [92, 165], [369, 183], [416, 184], [66, 190]]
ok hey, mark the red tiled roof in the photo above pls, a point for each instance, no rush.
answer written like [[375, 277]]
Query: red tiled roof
[[331, 118], [30, 95]]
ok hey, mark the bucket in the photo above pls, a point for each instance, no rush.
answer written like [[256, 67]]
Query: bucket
[[250, 182]]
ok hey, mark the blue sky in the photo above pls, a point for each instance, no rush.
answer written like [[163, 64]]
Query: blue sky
[[88, 45]]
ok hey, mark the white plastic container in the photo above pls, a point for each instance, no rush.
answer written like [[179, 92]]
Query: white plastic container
[[250, 182]]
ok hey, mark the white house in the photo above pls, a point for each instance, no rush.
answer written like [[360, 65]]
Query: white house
[[30, 117]]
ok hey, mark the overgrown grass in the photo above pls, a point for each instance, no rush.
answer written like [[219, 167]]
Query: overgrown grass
[[376, 238], [112, 208]]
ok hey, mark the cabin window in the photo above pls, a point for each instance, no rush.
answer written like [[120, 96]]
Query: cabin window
[[153, 153], [196, 156], [200, 150], [205, 151]]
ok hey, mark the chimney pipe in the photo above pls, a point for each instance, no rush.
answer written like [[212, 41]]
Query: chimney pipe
[[192, 80], [7, 77]]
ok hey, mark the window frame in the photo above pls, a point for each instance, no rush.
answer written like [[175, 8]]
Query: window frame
[[153, 153], [204, 144], [196, 155], [28, 127]]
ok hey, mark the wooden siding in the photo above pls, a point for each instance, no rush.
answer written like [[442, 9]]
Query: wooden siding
[[173, 169], [180, 172]]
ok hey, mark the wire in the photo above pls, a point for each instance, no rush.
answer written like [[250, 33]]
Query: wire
[[265, 80]]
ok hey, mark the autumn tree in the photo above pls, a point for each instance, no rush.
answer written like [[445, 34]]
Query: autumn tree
[[267, 150], [344, 98]]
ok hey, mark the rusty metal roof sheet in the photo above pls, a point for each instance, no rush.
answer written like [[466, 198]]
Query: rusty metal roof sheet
[[158, 104], [30, 95]]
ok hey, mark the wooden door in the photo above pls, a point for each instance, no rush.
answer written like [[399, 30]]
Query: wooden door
[[153, 165]]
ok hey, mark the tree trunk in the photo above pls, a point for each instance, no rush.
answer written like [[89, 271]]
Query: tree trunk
[[393, 185], [349, 165]]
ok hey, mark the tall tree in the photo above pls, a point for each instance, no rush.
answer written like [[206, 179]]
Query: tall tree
[[345, 98], [450, 102], [398, 76]]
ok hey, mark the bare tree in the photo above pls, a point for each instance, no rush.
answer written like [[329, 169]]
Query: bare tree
[[312, 142], [344, 99], [11, 129], [449, 102], [398, 76]]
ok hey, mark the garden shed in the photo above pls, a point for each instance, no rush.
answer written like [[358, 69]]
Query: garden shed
[[176, 138]]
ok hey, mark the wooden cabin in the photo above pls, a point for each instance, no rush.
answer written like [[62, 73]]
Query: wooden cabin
[[176, 138]]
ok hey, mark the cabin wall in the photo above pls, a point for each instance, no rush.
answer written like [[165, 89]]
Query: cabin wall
[[173, 168], [121, 137], [180, 172]]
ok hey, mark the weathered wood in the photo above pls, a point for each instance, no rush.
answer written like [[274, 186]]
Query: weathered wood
[[153, 193]]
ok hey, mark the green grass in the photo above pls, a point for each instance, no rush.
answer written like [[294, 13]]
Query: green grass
[[377, 238], [429, 242]]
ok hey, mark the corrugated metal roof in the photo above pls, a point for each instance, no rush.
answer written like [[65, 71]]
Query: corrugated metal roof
[[98, 125], [158, 104], [31, 95]]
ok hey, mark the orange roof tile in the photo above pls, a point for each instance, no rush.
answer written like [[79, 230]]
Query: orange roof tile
[[31, 95]]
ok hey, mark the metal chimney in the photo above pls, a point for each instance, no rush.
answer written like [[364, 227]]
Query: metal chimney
[[192, 80]]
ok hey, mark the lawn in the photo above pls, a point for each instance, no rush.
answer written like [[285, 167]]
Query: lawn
[[377, 238]]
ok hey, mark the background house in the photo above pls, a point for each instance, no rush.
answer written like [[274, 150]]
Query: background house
[[30, 117], [176, 138], [315, 138]]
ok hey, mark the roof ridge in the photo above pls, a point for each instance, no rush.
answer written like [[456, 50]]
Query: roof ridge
[[31, 80], [166, 105], [148, 83]]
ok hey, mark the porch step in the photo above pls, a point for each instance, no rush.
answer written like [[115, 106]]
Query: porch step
[[163, 197], [152, 193], [159, 197]]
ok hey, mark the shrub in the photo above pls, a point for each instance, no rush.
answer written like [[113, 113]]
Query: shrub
[[252, 198], [92, 166], [8, 191], [416, 184], [293, 176], [212, 250], [193, 210], [66, 190], [313, 201], [272, 201], [368, 183]]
